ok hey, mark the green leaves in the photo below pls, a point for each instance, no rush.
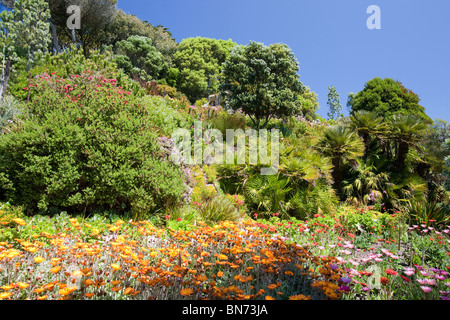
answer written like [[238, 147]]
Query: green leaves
[[25, 31], [85, 144], [263, 81], [139, 58], [200, 63], [387, 98]]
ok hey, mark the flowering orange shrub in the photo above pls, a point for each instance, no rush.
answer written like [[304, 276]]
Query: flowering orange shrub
[[138, 261]]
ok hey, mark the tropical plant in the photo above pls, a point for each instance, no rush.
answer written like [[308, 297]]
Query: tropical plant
[[219, 209], [368, 124], [342, 145], [406, 131], [366, 184]]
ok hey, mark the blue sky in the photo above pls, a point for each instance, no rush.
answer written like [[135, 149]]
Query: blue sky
[[329, 38]]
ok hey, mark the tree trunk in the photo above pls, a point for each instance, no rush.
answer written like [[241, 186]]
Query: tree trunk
[[337, 174], [56, 46]]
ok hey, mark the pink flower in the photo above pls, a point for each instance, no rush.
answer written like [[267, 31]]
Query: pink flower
[[167, 217], [409, 271], [426, 289]]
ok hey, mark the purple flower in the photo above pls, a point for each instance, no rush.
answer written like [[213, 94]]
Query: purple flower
[[444, 298], [439, 277], [345, 280], [366, 289], [344, 288], [334, 267]]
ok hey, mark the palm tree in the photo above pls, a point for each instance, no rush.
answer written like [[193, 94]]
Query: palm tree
[[406, 131], [367, 123], [366, 184], [341, 145]]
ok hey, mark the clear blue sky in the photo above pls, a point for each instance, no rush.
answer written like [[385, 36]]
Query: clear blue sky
[[329, 38]]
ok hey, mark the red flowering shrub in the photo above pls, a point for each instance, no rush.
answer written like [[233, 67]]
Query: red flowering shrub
[[85, 142]]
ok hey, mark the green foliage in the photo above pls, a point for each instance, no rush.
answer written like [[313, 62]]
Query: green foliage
[[428, 213], [447, 166], [139, 58], [223, 121], [219, 209], [309, 104], [334, 104], [73, 62], [341, 145], [165, 115], [24, 31], [369, 126], [365, 185], [263, 82], [9, 110], [85, 144], [200, 63], [96, 18], [387, 98], [127, 25]]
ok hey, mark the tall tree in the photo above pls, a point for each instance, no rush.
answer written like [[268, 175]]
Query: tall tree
[[127, 25], [96, 17], [263, 81], [334, 104], [200, 63], [140, 59], [387, 97], [24, 31]]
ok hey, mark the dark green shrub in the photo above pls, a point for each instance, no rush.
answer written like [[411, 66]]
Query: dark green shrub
[[85, 143]]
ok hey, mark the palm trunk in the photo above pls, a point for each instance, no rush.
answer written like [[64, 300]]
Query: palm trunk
[[403, 149], [337, 174]]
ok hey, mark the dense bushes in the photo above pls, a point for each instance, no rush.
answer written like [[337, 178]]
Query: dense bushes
[[85, 143]]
